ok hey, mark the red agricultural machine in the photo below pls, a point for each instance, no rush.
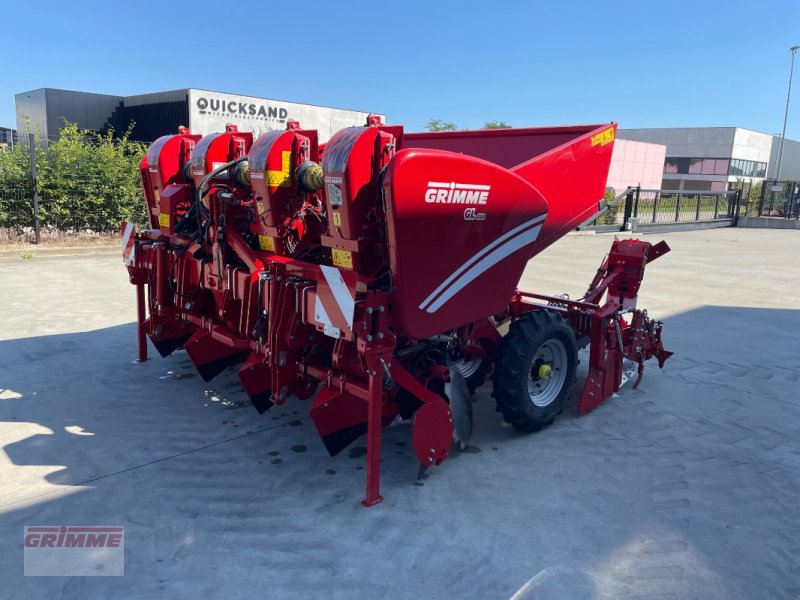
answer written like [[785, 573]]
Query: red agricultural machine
[[377, 274]]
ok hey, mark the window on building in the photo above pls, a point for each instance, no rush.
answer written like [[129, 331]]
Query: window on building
[[747, 168], [714, 166], [695, 166]]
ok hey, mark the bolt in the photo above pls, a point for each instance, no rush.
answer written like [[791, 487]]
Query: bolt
[[380, 335], [370, 310], [380, 308], [369, 338], [430, 459], [433, 450]]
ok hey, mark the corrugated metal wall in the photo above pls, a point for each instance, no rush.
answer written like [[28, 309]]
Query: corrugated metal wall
[[157, 114], [97, 112]]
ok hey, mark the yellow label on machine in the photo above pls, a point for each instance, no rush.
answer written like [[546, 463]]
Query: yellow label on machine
[[342, 258], [282, 178], [260, 206], [337, 218], [266, 243], [163, 219], [604, 137]]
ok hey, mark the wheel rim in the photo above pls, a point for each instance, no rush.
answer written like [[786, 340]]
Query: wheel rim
[[467, 367], [547, 373]]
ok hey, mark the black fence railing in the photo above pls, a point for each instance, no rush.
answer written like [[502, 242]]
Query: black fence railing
[[665, 207], [780, 199]]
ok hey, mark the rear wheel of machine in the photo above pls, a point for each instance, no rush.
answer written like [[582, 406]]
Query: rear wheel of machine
[[535, 369]]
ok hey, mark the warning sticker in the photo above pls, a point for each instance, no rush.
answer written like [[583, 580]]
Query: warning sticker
[[163, 219], [266, 243], [342, 258], [604, 137], [282, 178]]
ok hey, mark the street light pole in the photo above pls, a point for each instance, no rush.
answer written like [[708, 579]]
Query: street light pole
[[793, 50]]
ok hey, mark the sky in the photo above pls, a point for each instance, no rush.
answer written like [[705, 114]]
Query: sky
[[641, 63]]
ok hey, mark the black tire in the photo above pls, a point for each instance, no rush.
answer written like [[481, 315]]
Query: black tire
[[538, 329]]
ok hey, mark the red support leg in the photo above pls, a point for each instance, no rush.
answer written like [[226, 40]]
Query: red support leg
[[374, 410], [140, 317]]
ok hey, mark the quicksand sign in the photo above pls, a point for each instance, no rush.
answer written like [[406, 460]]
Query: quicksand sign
[[247, 110], [210, 112], [73, 550]]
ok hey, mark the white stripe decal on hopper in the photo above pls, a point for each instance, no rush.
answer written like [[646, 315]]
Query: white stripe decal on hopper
[[499, 241], [528, 237], [346, 302]]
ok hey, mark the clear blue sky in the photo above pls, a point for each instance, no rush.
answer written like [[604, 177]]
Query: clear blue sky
[[641, 63]]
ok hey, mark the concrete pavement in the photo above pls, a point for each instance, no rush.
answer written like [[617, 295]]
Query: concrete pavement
[[685, 488]]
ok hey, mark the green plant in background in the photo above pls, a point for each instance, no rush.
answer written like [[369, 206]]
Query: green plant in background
[[86, 181], [610, 216], [496, 125], [752, 200], [439, 125]]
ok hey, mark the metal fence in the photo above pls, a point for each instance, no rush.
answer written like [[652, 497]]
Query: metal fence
[[662, 207], [66, 214], [667, 207], [780, 199]]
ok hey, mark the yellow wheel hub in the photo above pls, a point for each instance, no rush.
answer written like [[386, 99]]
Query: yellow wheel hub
[[544, 372]]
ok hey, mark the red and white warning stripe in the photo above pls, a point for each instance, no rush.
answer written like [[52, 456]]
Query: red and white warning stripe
[[128, 244], [335, 303]]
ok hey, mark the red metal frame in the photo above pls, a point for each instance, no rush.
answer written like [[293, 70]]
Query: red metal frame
[[335, 279]]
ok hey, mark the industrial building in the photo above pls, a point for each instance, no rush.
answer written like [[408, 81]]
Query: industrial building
[[45, 110], [636, 164], [718, 158], [8, 137]]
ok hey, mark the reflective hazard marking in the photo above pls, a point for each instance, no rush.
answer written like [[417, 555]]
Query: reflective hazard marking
[[335, 303], [128, 244]]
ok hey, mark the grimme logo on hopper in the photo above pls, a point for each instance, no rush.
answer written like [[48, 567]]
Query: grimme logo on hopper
[[456, 193]]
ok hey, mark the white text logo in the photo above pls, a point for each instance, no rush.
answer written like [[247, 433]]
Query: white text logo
[[456, 193]]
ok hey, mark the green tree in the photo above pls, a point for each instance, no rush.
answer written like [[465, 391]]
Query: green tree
[[439, 125], [496, 125]]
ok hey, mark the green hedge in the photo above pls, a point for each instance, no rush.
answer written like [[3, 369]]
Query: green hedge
[[86, 181]]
